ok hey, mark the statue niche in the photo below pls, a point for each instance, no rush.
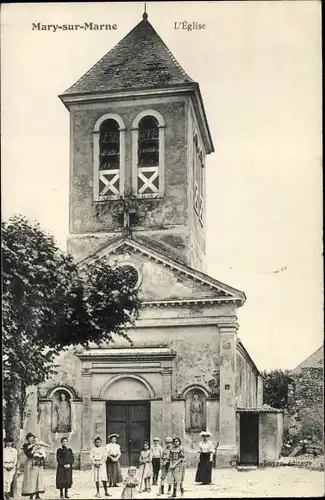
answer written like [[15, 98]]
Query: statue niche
[[61, 412], [195, 411]]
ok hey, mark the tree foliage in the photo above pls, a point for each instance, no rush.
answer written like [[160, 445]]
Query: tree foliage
[[49, 304], [275, 388]]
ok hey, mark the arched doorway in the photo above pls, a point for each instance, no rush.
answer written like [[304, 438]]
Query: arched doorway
[[128, 414]]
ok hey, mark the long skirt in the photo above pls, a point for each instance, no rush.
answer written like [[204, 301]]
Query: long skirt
[[129, 492], [114, 472], [176, 475], [63, 477], [33, 481], [145, 471], [204, 469]]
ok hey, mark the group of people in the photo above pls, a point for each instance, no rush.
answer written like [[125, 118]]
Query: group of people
[[166, 460], [33, 483]]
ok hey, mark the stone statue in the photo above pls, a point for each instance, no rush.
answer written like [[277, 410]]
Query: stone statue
[[196, 413], [61, 416]]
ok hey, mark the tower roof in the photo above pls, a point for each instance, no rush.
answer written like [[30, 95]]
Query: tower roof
[[141, 60]]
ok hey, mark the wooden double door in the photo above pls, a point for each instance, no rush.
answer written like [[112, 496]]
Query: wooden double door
[[131, 420]]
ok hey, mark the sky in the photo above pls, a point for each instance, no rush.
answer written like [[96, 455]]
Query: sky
[[259, 69]]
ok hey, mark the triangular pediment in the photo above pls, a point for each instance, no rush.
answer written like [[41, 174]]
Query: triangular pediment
[[162, 278]]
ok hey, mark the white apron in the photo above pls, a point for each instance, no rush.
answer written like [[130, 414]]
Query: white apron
[[9, 460], [98, 456]]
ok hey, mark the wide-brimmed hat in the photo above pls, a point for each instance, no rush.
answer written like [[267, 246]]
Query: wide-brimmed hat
[[113, 435], [156, 439], [205, 434], [30, 435], [168, 440]]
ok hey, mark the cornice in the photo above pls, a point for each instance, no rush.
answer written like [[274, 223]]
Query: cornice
[[127, 354], [190, 88], [124, 94], [190, 302]]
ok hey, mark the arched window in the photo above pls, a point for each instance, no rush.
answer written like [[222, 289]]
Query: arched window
[[108, 158], [148, 155]]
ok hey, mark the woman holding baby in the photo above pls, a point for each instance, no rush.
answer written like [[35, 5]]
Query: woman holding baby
[[33, 482]]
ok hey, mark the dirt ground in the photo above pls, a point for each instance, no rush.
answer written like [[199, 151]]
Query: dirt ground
[[278, 481]]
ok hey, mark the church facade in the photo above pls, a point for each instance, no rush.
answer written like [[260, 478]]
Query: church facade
[[139, 139]]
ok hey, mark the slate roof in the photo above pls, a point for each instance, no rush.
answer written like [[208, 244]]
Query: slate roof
[[315, 360], [140, 60]]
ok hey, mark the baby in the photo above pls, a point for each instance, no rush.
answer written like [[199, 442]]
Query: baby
[[38, 449], [130, 484]]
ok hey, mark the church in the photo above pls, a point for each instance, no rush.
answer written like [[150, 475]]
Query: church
[[139, 137]]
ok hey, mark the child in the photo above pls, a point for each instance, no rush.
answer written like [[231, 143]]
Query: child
[[176, 472], [98, 466], [38, 450], [145, 467], [156, 450], [165, 462], [130, 482], [10, 457]]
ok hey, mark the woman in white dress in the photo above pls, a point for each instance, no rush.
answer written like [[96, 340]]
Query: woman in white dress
[[113, 454], [204, 468], [98, 466]]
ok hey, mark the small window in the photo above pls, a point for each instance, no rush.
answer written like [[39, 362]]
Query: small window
[[148, 142], [109, 146], [108, 157], [132, 275], [148, 145], [148, 156]]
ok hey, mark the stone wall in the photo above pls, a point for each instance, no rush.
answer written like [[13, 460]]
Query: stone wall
[[196, 365], [270, 436], [305, 413], [246, 383], [89, 216]]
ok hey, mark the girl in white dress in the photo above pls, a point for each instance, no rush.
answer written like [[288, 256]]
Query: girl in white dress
[[10, 457], [98, 466], [145, 469]]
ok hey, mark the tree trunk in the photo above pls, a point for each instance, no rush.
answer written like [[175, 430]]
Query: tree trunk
[[13, 418]]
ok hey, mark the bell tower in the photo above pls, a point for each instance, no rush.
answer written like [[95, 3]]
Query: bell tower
[[139, 138]]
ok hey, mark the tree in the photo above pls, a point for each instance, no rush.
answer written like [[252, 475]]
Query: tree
[[276, 388], [50, 304]]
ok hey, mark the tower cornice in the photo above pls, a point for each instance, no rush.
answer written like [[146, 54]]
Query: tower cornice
[[191, 89]]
